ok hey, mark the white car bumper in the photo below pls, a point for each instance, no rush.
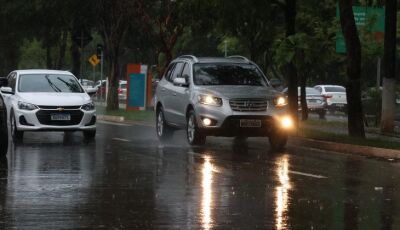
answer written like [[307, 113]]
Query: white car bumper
[[41, 120]]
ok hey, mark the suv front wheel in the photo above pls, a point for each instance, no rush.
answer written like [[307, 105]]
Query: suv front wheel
[[194, 136], [278, 140]]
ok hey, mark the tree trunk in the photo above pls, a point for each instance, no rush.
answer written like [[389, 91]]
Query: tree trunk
[[304, 107], [389, 61], [353, 89], [76, 60], [49, 60], [112, 53], [290, 15], [62, 48]]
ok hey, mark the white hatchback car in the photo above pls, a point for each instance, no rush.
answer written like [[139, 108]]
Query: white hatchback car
[[47, 100]]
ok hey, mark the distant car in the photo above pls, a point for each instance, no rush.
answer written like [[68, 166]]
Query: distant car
[[335, 96], [87, 84], [122, 90], [3, 123], [47, 100], [316, 103], [101, 88]]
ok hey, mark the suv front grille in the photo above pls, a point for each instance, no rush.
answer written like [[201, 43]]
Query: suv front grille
[[249, 104]]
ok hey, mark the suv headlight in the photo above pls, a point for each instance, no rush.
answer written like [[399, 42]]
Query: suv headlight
[[26, 106], [88, 107], [210, 100], [280, 101]]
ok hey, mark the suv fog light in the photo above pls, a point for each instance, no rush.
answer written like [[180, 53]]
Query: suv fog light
[[207, 121], [286, 122]]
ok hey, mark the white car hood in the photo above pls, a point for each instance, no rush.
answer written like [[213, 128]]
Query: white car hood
[[55, 99]]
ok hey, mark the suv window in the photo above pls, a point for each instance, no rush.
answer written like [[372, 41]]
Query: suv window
[[169, 71], [177, 71], [186, 71], [228, 74]]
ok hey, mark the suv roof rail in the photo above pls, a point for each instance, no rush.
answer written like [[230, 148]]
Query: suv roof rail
[[239, 57], [194, 58]]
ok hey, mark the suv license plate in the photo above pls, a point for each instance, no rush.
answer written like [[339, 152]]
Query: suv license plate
[[246, 123], [60, 117]]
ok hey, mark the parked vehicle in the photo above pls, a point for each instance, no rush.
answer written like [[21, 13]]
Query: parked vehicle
[[220, 97], [316, 103], [335, 96], [101, 88], [3, 123], [122, 91], [47, 100]]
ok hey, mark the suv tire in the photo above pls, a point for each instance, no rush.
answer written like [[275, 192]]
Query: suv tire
[[278, 140], [15, 134], [194, 136], [164, 132]]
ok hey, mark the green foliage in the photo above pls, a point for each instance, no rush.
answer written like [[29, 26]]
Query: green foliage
[[32, 55]]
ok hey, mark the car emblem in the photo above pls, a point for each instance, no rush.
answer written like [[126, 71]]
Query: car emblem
[[248, 104], [60, 109]]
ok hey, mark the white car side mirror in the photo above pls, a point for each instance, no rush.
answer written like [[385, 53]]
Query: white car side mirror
[[7, 90]]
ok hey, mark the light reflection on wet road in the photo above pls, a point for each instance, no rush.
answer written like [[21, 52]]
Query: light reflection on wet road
[[126, 179]]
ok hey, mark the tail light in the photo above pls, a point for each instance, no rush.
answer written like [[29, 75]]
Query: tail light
[[119, 90], [327, 96]]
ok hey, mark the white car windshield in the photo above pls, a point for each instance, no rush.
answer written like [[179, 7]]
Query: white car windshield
[[45, 83]]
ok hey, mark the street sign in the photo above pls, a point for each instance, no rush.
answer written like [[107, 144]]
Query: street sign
[[94, 60], [373, 17]]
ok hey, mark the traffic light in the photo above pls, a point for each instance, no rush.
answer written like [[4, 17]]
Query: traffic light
[[99, 51]]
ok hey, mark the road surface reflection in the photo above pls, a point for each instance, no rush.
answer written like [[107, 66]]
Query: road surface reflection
[[282, 192]]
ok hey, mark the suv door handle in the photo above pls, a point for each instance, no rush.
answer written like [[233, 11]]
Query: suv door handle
[[163, 89], [174, 94]]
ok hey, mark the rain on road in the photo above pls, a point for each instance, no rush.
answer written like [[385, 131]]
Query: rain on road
[[127, 179]]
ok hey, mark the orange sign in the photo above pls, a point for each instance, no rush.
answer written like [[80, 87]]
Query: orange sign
[[94, 60]]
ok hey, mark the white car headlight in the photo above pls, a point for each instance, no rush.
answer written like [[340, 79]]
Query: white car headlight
[[88, 107], [210, 100], [26, 106]]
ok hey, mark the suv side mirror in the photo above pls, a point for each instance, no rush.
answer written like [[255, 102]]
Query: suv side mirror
[[3, 81], [180, 81]]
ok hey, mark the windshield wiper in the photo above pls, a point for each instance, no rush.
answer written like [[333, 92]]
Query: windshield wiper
[[52, 85], [73, 88]]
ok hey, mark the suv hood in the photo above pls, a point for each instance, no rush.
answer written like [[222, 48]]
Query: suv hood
[[239, 91], [55, 99]]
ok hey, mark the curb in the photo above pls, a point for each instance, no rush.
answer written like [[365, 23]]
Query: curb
[[345, 148], [111, 118]]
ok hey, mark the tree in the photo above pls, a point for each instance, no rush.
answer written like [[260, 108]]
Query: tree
[[113, 23], [353, 87], [290, 16], [389, 60]]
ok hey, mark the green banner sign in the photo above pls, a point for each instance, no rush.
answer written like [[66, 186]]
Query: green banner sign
[[373, 17]]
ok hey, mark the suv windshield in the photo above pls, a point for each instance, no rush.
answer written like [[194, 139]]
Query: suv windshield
[[227, 74], [43, 83]]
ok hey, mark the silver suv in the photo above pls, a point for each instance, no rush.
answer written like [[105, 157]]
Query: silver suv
[[228, 97]]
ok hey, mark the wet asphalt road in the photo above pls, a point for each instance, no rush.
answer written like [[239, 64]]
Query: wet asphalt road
[[126, 179]]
